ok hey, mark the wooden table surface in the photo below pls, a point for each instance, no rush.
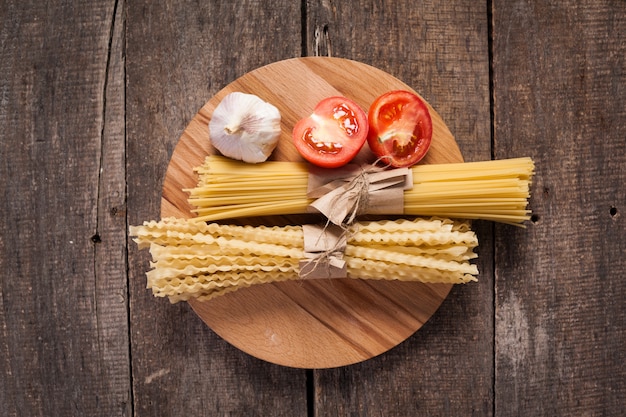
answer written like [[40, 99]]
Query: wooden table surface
[[93, 99]]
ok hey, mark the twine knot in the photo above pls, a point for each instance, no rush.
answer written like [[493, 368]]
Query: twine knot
[[324, 247], [345, 193]]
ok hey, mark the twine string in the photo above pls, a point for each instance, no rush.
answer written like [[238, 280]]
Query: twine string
[[358, 190]]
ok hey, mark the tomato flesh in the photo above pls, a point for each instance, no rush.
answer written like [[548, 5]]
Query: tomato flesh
[[333, 134], [400, 128]]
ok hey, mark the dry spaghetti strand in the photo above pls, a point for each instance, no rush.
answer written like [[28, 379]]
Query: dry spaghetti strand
[[488, 190]]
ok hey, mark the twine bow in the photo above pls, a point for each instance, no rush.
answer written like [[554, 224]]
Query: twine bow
[[343, 194], [324, 246]]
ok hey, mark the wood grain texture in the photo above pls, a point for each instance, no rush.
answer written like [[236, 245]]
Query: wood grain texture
[[561, 295], [308, 324], [440, 50], [63, 315], [552, 345], [179, 55]]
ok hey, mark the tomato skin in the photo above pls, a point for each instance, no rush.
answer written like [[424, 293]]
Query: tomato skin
[[333, 134], [400, 128]]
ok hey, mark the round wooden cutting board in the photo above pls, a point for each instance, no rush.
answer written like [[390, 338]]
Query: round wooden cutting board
[[308, 323]]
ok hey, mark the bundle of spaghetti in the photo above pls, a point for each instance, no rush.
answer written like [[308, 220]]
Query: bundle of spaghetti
[[495, 190], [198, 260]]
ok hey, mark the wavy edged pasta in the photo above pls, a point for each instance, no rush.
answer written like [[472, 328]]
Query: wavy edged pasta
[[192, 259]]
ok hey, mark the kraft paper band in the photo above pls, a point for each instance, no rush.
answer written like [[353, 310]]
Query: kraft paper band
[[344, 193], [324, 247]]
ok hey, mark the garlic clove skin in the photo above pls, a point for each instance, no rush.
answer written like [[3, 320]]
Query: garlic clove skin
[[244, 127]]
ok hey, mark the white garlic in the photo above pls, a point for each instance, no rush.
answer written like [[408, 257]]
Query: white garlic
[[244, 127]]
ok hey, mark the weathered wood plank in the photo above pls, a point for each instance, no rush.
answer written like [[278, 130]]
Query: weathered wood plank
[[560, 96], [63, 315], [179, 365], [442, 51]]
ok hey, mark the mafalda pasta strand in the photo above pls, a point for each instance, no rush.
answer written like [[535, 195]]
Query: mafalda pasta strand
[[193, 259]]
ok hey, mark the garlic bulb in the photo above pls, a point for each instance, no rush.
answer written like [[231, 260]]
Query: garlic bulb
[[244, 127]]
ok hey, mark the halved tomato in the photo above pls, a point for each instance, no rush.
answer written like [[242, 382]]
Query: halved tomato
[[400, 128], [333, 134]]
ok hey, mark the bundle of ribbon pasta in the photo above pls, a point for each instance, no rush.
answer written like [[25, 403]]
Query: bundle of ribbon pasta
[[495, 190], [201, 260]]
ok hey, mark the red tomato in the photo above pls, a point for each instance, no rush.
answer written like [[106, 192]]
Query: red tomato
[[333, 134], [400, 128]]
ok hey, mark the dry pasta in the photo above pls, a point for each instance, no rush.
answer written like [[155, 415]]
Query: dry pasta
[[490, 190], [192, 259]]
